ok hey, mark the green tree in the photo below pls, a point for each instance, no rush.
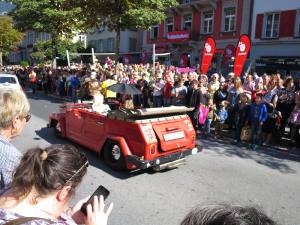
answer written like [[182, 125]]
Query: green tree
[[42, 50], [119, 15], [60, 18], [9, 36]]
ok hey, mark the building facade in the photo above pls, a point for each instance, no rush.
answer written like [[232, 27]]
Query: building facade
[[225, 20], [276, 36], [103, 41]]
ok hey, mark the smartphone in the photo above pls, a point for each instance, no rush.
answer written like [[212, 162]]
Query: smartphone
[[99, 191]]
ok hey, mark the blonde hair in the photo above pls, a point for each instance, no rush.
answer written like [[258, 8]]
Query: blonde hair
[[13, 103]]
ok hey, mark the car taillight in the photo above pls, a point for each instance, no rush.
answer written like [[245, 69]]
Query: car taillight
[[148, 133], [152, 149], [193, 139]]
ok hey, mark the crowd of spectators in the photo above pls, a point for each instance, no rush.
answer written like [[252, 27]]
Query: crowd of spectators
[[265, 104]]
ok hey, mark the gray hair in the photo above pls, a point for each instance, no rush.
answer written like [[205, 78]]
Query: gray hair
[[13, 103], [225, 214]]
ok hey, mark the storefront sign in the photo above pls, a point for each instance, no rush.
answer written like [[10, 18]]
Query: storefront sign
[[242, 51], [208, 54], [178, 36]]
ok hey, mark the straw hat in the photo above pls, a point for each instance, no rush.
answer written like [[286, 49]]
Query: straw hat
[[247, 95]]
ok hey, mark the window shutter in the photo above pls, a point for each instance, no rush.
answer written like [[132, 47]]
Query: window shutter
[[259, 25], [287, 23], [161, 29], [177, 22]]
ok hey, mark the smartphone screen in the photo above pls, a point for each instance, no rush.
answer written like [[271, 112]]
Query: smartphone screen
[[99, 191]]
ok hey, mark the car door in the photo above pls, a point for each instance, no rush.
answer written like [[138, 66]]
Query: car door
[[74, 124], [93, 131]]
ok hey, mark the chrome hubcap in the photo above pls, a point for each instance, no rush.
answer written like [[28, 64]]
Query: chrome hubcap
[[116, 152]]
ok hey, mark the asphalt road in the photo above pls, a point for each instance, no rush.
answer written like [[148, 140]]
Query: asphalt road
[[222, 173]]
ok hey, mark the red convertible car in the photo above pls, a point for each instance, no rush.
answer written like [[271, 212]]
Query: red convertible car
[[130, 139]]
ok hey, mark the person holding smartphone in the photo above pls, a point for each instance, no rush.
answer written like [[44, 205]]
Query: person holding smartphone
[[42, 185]]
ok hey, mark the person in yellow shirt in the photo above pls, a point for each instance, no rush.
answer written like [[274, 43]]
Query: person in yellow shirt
[[107, 93]]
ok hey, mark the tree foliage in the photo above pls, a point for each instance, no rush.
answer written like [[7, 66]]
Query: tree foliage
[[42, 51], [120, 15], [60, 18], [9, 36]]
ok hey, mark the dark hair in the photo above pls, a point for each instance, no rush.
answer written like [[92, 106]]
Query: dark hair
[[287, 81], [49, 170], [225, 214], [260, 95], [193, 82]]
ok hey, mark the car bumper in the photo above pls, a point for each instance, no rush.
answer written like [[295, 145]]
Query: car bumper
[[163, 160]]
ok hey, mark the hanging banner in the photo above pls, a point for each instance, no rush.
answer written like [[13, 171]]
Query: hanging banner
[[228, 53], [178, 36], [241, 53], [208, 54]]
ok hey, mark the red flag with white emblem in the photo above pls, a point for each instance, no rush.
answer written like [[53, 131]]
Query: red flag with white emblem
[[208, 54], [241, 53]]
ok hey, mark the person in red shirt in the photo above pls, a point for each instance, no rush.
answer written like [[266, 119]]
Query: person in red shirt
[[167, 90]]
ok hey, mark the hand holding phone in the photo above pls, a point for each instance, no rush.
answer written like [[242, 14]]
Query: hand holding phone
[[99, 191]]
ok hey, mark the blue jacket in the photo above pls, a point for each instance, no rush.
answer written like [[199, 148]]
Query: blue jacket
[[222, 114], [262, 112], [75, 83]]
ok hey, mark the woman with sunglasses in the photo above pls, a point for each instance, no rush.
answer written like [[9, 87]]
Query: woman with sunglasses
[[42, 186], [14, 114]]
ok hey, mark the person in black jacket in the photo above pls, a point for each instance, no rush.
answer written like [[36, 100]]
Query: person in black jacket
[[243, 109], [193, 100]]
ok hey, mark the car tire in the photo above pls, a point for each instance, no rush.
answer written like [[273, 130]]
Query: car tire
[[113, 156]]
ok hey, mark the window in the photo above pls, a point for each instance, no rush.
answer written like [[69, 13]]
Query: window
[[187, 22], [110, 44], [272, 25], [229, 19], [132, 45], [208, 18], [169, 24], [99, 45], [154, 32]]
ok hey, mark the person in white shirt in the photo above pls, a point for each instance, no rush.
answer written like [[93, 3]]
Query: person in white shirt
[[158, 87]]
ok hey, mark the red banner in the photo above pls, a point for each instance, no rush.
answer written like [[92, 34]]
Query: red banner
[[208, 54], [178, 36], [241, 53]]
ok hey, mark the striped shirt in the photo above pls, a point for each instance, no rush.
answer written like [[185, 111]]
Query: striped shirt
[[9, 159]]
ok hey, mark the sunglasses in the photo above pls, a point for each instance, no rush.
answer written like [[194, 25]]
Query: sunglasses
[[27, 118]]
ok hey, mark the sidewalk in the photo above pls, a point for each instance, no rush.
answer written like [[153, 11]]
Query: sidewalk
[[228, 139]]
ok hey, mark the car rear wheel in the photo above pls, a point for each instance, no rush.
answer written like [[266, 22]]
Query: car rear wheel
[[113, 156], [57, 129]]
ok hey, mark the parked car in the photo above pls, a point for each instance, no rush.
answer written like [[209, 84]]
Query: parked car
[[9, 81], [130, 139]]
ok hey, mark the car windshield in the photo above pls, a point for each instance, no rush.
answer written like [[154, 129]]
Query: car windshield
[[10, 80]]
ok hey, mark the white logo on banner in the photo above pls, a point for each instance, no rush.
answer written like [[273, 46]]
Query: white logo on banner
[[242, 46], [207, 47]]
